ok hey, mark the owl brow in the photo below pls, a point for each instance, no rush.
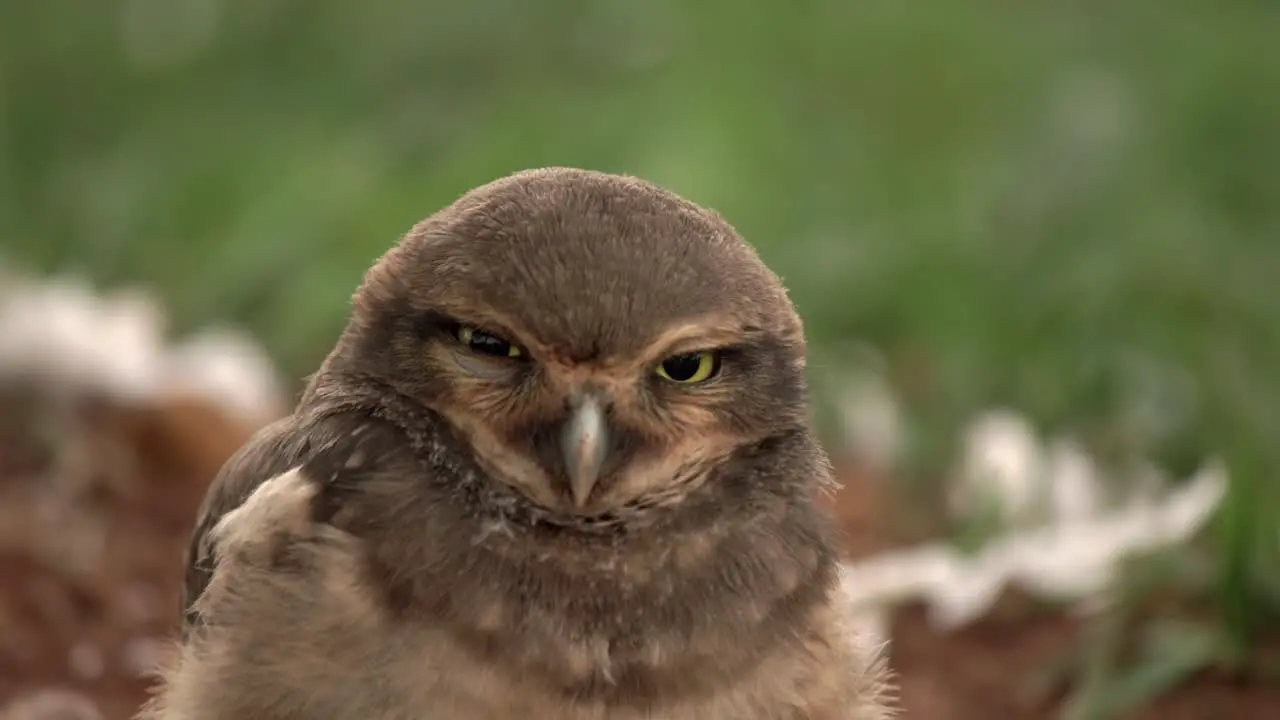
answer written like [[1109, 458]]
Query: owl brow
[[444, 323], [705, 334]]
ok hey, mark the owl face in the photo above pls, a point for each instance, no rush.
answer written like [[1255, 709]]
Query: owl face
[[597, 343]]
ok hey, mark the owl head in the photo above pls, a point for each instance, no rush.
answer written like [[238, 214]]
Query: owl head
[[597, 343]]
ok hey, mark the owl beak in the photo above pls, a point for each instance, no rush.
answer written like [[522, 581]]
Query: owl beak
[[585, 443]]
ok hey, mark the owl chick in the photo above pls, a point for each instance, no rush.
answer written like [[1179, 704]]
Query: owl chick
[[559, 465]]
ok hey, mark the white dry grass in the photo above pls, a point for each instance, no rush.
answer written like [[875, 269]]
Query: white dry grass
[[1071, 560], [1064, 536], [62, 333]]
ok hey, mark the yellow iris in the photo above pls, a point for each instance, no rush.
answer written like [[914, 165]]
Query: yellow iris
[[689, 368], [486, 343]]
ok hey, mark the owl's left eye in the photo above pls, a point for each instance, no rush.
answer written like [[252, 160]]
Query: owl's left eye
[[690, 368], [483, 342]]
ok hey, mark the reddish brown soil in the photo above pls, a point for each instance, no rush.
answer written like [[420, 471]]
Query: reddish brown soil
[[95, 507], [991, 669]]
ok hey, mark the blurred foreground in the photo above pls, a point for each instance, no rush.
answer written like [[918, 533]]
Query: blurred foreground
[[103, 463], [102, 466]]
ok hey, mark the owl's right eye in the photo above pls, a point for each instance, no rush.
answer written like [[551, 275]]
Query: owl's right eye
[[483, 342]]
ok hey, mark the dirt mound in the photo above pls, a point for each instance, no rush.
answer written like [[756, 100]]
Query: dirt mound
[[97, 500], [96, 503], [996, 667]]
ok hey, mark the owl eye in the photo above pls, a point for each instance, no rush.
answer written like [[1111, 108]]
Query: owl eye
[[690, 368], [486, 343]]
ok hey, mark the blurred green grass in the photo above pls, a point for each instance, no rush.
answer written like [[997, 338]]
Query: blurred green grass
[[1072, 209]]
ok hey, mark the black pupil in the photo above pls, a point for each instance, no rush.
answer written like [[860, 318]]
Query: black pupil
[[483, 342], [682, 367]]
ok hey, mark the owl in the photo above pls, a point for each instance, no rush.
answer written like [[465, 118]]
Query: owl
[[559, 464]]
